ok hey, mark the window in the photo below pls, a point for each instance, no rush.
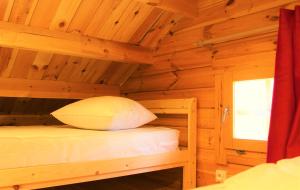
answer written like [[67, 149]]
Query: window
[[252, 101], [246, 108]]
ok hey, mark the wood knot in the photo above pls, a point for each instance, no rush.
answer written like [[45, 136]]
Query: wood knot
[[136, 13], [152, 4], [45, 67], [229, 2], [62, 24], [206, 32], [16, 187], [272, 18], [116, 22], [214, 53], [171, 33], [35, 67], [105, 51]]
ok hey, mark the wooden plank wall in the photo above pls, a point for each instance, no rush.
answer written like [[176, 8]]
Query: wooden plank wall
[[188, 63], [29, 111]]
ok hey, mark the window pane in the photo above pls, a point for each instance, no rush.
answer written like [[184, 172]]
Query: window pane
[[252, 108]]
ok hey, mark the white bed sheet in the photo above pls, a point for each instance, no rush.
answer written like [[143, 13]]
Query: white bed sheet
[[41, 145], [284, 175]]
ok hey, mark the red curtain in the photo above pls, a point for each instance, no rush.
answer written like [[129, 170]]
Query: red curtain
[[284, 135]]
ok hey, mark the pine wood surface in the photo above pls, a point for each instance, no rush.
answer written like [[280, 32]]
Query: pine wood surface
[[190, 55], [191, 60]]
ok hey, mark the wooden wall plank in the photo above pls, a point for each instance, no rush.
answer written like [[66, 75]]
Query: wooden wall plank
[[64, 14], [53, 89], [185, 79], [129, 23], [205, 96], [158, 31], [23, 120], [22, 64], [244, 25], [220, 10], [5, 56], [146, 26], [5, 9], [248, 158], [82, 18], [103, 13], [179, 54]]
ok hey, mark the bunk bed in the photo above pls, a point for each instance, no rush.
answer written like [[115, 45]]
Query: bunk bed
[[47, 175]]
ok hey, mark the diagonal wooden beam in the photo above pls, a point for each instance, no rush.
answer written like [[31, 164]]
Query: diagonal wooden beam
[[187, 8], [37, 39]]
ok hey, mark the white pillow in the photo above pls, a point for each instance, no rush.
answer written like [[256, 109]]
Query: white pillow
[[104, 113]]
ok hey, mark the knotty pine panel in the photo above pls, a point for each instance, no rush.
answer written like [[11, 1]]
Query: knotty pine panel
[[215, 11], [29, 111], [178, 56]]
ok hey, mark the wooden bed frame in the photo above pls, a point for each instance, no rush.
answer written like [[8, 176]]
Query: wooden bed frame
[[69, 173]]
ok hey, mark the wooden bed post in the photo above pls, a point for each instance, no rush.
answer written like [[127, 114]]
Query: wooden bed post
[[189, 170]]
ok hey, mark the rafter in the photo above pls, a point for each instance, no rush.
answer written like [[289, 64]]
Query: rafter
[[37, 39]]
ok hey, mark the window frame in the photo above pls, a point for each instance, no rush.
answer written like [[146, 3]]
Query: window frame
[[239, 75]]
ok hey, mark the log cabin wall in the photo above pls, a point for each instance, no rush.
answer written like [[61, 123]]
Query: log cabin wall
[[190, 60], [191, 53], [29, 111]]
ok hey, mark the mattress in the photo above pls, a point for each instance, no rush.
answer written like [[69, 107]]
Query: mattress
[[42, 145], [284, 175]]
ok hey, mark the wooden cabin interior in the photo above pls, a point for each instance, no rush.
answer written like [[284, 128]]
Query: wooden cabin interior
[[55, 52]]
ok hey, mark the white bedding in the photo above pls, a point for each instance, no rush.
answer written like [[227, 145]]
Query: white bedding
[[284, 175], [42, 145]]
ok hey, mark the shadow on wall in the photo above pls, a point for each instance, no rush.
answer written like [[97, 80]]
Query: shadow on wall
[[159, 180]]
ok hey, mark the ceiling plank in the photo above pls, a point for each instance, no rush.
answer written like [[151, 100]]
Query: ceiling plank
[[53, 89], [186, 8], [38, 39]]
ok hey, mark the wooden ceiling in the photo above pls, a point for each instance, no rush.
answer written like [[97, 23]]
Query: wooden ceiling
[[127, 21], [131, 29]]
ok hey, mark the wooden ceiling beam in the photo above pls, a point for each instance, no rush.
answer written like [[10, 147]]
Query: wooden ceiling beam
[[37, 39], [188, 8], [13, 87]]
